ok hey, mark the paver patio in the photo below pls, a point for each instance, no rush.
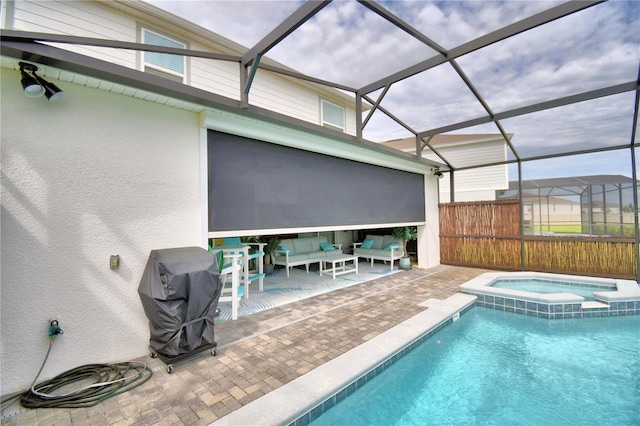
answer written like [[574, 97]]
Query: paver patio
[[261, 352]]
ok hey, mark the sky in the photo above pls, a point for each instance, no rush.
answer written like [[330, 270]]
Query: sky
[[349, 44]]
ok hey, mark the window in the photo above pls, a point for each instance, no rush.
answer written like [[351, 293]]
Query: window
[[162, 64], [332, 115]]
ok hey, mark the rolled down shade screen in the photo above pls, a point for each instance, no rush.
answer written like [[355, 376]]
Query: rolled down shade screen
[[260, 185]]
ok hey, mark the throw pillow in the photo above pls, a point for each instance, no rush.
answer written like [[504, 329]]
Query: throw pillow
[[283, 248], [367, 244], [388, 246], [327, 247], [233, 241]]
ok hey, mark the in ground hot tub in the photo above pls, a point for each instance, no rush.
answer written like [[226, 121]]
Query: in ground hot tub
[[514, 292]]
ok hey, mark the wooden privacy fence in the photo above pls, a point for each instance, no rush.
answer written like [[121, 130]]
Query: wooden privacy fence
[[487, 235]]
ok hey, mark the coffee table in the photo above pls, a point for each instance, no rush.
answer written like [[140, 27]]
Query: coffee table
[[339, 265]]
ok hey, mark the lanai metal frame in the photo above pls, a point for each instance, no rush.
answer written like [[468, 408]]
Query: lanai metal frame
[[32, 46]]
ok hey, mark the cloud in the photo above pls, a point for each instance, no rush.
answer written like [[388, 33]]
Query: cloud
[[245, 22], [585, 51], [347, 43]]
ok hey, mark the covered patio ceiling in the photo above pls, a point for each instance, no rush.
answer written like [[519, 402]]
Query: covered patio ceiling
[[562, 77]]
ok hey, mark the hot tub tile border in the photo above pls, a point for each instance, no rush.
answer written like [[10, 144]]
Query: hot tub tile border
[[624, 301], [554, 310]]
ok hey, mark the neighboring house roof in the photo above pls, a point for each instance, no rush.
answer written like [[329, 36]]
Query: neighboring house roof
[[463, 151], [567, 182], [549, 200], [565, 186], [442, 141]]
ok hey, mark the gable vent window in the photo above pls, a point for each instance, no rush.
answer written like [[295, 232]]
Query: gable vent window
[[332, 115], [163, 64]]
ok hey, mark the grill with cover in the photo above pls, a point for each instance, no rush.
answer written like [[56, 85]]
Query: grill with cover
[[179, 290]]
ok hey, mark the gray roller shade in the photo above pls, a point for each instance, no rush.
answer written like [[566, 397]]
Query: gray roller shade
[[260, 185]]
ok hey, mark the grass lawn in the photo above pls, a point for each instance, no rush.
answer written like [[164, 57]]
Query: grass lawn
[[612, 230], [560, 229]]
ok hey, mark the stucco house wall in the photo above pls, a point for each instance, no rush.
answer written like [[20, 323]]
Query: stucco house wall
[[95, 175]]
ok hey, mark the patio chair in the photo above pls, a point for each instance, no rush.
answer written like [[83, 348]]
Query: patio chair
[[229, 267], [234, 245]]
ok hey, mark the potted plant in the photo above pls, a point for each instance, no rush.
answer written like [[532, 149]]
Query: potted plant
[[272, 245], [404, 234]]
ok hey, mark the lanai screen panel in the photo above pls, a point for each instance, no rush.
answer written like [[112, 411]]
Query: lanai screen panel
[[260, 185]]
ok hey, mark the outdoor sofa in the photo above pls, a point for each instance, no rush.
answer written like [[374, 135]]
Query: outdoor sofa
[[379, 247], [303, 251]]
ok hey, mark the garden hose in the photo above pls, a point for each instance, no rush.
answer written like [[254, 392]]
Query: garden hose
[[17, 395], [105, 381]]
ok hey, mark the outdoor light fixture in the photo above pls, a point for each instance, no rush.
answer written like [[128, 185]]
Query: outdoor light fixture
[[30, 85], [35, 86], [438, 174], [51, 91]]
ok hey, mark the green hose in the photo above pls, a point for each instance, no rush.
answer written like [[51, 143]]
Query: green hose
[[105, 381]]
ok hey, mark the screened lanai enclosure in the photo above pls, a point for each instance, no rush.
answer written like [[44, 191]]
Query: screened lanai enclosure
[[581, 205], [555, 82]]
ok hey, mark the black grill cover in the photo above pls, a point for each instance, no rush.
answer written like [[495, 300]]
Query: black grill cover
[[179, 290]]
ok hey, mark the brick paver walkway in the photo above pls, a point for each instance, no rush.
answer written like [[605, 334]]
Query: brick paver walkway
[[263, 351]]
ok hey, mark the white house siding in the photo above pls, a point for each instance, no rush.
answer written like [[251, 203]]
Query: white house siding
[[477, 153], [98, 20], [462, 196], [274, 93], [219, 77], [78, 18], [294, 100], [93, 175], [474, 184]]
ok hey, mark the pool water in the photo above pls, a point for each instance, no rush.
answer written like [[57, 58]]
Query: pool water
[[546, 287], [498, 368]]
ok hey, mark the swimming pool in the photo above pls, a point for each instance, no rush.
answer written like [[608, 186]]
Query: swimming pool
[[493, 367], [609, 297]]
